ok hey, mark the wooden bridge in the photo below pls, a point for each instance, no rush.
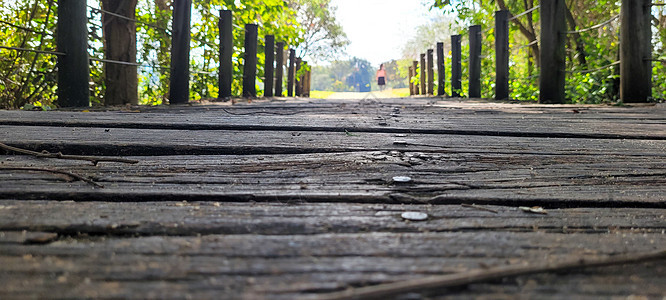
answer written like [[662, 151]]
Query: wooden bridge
[[304, 199]]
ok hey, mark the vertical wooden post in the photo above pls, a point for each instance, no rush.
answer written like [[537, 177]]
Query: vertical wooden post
[[279, 69], [456, 65], [179, 87], [226, 72], [409, 79], [290, 74], [441, 71], [423, 76], [73, 68], [502, 55], [298, 78], [553, 51], [308, 77], [474, 89], [431, 73], [250, 61], [269, 68], [636, 51], [415, 66]]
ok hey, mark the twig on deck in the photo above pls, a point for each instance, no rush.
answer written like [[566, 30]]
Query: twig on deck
[[477, 276], [45, 154], [70, 174], [479, 208]]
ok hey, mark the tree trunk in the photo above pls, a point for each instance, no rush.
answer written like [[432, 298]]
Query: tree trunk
[[122, 82], [580, 47]]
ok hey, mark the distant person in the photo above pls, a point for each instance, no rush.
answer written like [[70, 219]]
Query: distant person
[[381, 77]]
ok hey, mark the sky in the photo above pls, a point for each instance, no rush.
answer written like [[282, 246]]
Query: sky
[[378, 29]]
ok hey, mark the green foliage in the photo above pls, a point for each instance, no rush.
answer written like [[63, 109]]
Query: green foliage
[[599, 48], [27, 79], [274, 17]]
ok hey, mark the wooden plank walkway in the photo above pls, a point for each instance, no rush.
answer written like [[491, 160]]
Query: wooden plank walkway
[[300, 199]]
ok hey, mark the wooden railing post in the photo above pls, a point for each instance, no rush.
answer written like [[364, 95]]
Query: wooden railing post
[[441, 70], [179, 87], [308, 77], [456, 65], [415, 66], [290, 74], [299, 78], [73, 68], [411, 84], [474, 88], [226, 72], [250, 61], [502, 55], [431, 73], [269, 68], [553, 51], [279, 69], [424, 77], [636, 51]]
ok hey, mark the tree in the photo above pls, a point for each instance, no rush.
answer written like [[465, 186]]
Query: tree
[[120, 45], [427, 36], [324, 39]]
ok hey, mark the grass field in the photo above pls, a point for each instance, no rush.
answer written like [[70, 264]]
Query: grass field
[[391, 93]]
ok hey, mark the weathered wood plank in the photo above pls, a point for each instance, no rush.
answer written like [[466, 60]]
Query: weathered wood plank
[[554, 181], [480, 119], [292, 265], [122, 141], [194, 218], [277, 207]]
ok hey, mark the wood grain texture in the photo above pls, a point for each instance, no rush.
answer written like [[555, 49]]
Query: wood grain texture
[[285, 250], [296, 199]]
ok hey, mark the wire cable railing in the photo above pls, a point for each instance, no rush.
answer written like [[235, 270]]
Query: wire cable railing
[[524, 13], [531, 43], [595, 26], [205, 72], [34, 50], [595, 69], [143, 65], [102, 11], [23, 28]]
